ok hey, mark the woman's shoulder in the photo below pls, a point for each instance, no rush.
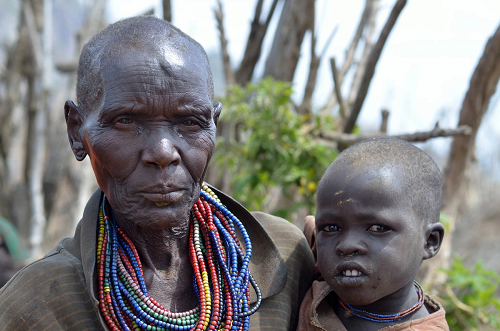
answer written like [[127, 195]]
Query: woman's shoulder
[[56, 266], [277, 226], [47, 292]]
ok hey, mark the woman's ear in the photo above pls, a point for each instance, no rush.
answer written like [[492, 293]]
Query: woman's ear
[[217, 111], [434, 234], [74, 122]]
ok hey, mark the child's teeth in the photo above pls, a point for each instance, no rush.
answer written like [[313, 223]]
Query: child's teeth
[[352, 273]]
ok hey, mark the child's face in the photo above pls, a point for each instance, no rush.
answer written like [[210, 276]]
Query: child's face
[[369, 242]]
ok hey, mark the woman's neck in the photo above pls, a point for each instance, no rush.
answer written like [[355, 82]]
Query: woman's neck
[[166, 263]]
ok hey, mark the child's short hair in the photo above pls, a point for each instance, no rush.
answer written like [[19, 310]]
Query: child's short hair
[[423, 179]]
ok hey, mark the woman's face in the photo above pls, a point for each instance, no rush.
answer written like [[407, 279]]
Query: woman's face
[[152, 139]]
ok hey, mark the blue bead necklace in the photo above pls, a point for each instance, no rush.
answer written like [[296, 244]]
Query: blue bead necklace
[[381, 318], [221, 277]]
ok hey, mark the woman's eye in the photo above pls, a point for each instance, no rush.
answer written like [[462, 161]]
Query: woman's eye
[[124, 121], [378, 228], [331, 228], [189, 122]]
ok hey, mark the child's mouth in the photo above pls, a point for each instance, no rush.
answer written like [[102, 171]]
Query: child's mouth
[[351, 273], [351, 278]]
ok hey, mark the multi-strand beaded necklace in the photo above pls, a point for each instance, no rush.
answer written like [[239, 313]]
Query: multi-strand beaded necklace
[[221, 276], [381, 318]]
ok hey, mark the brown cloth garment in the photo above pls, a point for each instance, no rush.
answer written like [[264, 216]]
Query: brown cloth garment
[[317, 314], [59, 292]]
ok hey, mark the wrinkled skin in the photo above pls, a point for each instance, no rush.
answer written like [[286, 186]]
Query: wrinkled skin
[[149, 145], [364, 223]]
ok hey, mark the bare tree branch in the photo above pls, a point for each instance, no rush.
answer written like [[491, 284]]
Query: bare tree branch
[[385, 119], [329, 40], [36, 45], [363, 61], [369, 11], [344, 108], [371, 64], [306, 106], [254, 44], [228, 70], [349, 139]]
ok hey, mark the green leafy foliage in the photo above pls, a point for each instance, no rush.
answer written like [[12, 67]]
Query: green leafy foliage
[[471, 297], [265, 145]]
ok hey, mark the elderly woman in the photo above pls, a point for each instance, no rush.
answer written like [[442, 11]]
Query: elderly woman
[[156, 248]]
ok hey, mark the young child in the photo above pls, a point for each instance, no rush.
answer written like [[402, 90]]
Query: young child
[[377, 218]]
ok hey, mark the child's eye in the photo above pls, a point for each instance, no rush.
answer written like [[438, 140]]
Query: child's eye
[[379, 228], [331, 228]]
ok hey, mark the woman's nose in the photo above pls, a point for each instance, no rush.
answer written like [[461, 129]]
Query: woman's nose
[[161, 151], [350, 244]]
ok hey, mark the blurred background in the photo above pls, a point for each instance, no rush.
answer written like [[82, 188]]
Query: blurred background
[[300, 80]]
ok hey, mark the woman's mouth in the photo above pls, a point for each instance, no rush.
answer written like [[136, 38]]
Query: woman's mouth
[[162, 199]]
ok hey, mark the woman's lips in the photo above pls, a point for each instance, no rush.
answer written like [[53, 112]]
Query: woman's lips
[[161, 199]]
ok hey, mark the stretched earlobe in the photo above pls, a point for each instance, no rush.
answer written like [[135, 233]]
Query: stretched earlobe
[[217, 111], [434, 237], [74, 122]]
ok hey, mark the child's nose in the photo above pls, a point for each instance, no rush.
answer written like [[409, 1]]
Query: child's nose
[[351, 245]]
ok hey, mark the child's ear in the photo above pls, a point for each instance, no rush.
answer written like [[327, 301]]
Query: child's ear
[[434, 234]]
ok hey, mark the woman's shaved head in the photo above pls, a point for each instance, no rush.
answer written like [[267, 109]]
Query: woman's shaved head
[[140, 33]]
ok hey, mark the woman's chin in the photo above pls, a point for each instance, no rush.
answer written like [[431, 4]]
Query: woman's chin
[[156, 217]]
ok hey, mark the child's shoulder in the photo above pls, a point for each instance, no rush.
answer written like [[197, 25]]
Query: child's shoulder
[[435, 321], [317, 314], [315, 311]]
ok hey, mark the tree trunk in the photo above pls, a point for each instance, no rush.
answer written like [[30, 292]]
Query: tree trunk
[[482, 86], [254, 44], [296, 18], [226, 60]]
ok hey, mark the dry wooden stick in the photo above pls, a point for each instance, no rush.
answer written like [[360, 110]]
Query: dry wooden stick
[[371, 64], [368, 37], [254, 44], [349, 139], [368, 12], [228, 70], [385, 120], [344, 108], [306, 107], [167, 10]]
